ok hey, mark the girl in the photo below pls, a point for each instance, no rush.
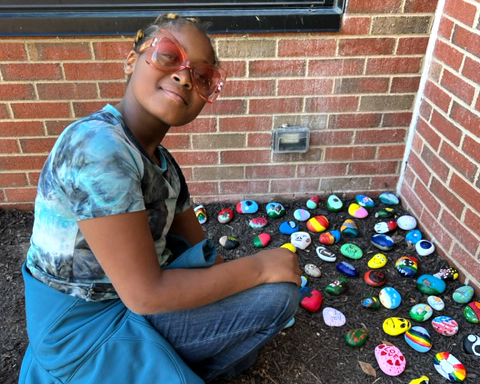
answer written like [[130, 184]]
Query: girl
[[119, 270]]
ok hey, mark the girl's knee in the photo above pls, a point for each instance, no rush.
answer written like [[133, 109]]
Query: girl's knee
[[283, 301]]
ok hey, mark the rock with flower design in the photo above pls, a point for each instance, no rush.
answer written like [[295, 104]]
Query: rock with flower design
[[447, 274], [356, 337], [364, 201]]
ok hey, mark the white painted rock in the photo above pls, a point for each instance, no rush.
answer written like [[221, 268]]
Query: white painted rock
[[326, 255], [406, 222], [435, 302], [424, 247], [312, 270], [333, 317], [300, 239]]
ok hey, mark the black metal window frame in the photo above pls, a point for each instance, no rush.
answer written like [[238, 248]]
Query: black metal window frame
[[120, 17]]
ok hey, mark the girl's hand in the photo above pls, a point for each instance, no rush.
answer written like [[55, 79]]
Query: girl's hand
[[278, 265]]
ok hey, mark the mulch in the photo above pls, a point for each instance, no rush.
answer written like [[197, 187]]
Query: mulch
[[310, 351]]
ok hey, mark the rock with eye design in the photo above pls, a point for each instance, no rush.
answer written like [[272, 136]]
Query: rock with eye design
[[395, 326], [407, 266]]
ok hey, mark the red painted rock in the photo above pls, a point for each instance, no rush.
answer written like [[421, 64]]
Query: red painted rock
[[310, 299], [261, 240], [225, 215], [375, 278], [317, 224]]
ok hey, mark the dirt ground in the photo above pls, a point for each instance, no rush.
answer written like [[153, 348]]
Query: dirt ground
[[310, 351]]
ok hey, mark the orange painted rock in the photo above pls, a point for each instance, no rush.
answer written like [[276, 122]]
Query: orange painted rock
[[317, 224]]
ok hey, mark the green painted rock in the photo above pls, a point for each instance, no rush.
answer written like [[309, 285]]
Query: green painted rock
[[421, 312], [356, 337], [387, 212], [261, 240], [337, 287], [430, 285], [371, 302], [472, 312], [351, 251], [334, 204]]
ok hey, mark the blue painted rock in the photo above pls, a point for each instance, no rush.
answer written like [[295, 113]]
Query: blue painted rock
[[383, 242], [413, 237], [449, 367], [201, 214], [334, 204], [290, 323], [275, 210], [349, 228], [370, 301], [247, 206], [300, 239], [385, 226], [430, 285], [351, 251], [390, 359], [262, 240], [312, 270], [406, 266], [317, 224], [326, 255], [471, 344], [406, 222], [356, 337], [364, 201], [388, 198], [313, 202], [229, 242], [386, 212], [258, 222], [421, 312], [435, 302], [225, 215], [445, 325], [347, 269], [330, 237], [463, 294], [419, 339], [395, 326], [333, 317], [357, 211], [472, 312], [375, 278], [288, 227], [424, 247], [390, 297], [378, 260], [447, 274], [310, 299], [301, 214], [337, 287], [304, 281]]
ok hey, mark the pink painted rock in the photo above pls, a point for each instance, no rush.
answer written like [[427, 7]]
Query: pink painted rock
[[261, 240], [357, 211], [390, 359]]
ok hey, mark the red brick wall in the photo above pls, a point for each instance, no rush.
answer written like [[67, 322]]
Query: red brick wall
[[441, 184]]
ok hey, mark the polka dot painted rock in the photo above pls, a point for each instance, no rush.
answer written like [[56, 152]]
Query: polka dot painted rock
[[378, 260], [330, 237], [300, 240], [406, 222], [424, 248], [435, 302], [225, 216], [356, 337], [275, 210], [351, 251], [357, 211], [201, 214], [395, 326], [334, 203], [301, 214], [375, 278], [390, 359], [390, 297], [430, 285], [364, 201], [447, 274], [388, 198], [312, 270], [288, 227], [310, 299], [258, 222], [349, 228], [463, 294], [449, 367], [472, 312], [333, 317], [313, 202], [406, 266], [382, 242], [247, 206], [413, 237], [317, 224], [385, 226], [262, 240], [421, 312], [445, 325], [419, 339]]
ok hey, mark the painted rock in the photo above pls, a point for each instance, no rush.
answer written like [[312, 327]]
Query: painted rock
[[312, 270], [357, 211], [334, 204], [229, 242], [378, 260], [317, 224], [449, 367], [337, 287], [421, 380], [390, 297], [383, 242], [424, 247], [261, 240], [370, 301], [471, 344], [290, 323], [247, 206], [290, 247], [390, 359], [225, 216], [406, 222], [349, 228], [406, 266], [419, 339], [421, 312], [356, 337], [447, 274], [347, 268], [300, 239], [330, 237], [385, 226], [413, 237], [364, 201], [304, 281], [386, 212], [351, 251], [472, 312], [375, 278], [201, 214], [326, 255], [395, 326], [301, 214], [445, 325], [258, 222], [313, 202], [463, 294], [435, 302], [430, 285], [310, 299], [333, 317], [275, 210], [388, 198], [288, 227]]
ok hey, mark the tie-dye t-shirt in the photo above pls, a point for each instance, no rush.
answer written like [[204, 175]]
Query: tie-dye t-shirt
[[97, 168]]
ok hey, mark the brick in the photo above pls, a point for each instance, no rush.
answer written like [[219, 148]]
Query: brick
[[427, 198], [421, 6], [375, 6], [360, 85], [56, 127], [313, 155], [425, 110], [217, 141], [372, 168], [383, 182], [66, 91], [315, 122], [235, 68], [465, 190], [246, 186], [355, 120], [419, 168], [111, 50], [59, 51], [306, 47], [85, 108], [445, 28], [430, 135], [245, 123], [397, 119], [21, 128], [172, 141], [9, 146], [20, 194], [218, 173], [202, 188], [16, 92], [321, 170], [380, 136], [466, 118], [245, 156], [344, 184], [448, 54], [466, 40], [349, 153], [335, 67], [472, 221], [458, 87], [438, 234], [93, 71], [365, 46], [415, 205], [265, 105], [412, 45], [352, 25], [394, 152], [331, 104], [458, 161], [294, 185], [242, 48], [200, 124], [440, 98], [386, 103], [24, 71], [405, 84], [393, 65], [325, 138], [435, 71], [477, 106], [471, 69], [273, 68], [435, 163], [112, 90], [468, 262], [225, 107], [249, 88], [446, 128], [195, 157], [448, 199], [461, 10], [259, 140], [461, 233], [471, 148], [39, 145], [400, 25], [13, 163], [12, 51], [4, 113], [269, 172], [33, 178], [13, 180], [417, 144], [305, 87], [42, 110]]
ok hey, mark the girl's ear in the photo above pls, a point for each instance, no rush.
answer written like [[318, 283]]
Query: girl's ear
[[129, 65]]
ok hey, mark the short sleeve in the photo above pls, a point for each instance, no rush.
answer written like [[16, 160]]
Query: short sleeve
[[98, 170], [183, 200]]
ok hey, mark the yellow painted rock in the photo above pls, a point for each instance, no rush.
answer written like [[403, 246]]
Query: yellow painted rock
[[395, 326], [377, 261], [290, 247]]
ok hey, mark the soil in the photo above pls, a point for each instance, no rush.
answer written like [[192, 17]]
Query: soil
[[308, 352]]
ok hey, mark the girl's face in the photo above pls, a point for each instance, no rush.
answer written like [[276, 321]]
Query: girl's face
[[171, 96]]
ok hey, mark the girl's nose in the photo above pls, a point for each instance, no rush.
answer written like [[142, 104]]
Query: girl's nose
[[183, 77]]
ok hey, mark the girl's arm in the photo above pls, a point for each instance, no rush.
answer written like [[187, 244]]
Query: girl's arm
[[124, 247]]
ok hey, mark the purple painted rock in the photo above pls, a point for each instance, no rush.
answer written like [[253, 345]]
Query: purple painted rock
[[375, 278], [261, 240]]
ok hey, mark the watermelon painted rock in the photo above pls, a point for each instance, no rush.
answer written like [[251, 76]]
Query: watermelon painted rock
[[472, 312], [262, 240], [258, 222]]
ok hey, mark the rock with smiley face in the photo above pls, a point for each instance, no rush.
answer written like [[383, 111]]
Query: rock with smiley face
[[300, 239]]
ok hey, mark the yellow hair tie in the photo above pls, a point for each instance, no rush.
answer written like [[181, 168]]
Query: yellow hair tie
[[172, 16]]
